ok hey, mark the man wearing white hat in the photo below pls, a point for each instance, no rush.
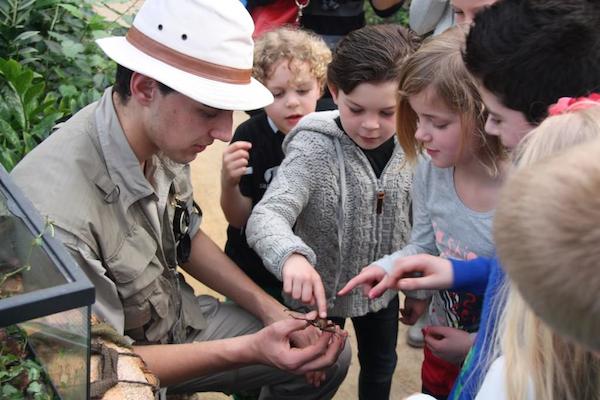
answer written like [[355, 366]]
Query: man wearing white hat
[[124, 209]]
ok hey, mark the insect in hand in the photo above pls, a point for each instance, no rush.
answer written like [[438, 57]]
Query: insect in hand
[[322, 324]]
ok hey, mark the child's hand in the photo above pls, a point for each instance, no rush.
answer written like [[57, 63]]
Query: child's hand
[[371, 276], [235, 160], [303, 283], [413, 309], [447, 343], [437, 274]]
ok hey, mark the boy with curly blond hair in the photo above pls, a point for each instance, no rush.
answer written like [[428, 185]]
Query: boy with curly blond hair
[[292, 64]]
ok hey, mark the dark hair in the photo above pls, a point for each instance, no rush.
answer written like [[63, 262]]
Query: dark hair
[[374, 53], [123, 80], [529, 53]]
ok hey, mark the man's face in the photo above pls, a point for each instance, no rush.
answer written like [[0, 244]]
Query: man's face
[[368, 113], [510, 125], [181, 127]]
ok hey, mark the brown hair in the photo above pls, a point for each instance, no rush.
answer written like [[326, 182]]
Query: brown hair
[[438, 64], [373, 54], [294, 45]]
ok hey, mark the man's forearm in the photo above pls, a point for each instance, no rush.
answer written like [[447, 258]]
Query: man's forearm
[[176, 363], [213, 268]]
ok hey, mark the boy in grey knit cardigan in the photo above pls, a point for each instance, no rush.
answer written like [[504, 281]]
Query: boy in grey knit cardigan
[[340, 199]]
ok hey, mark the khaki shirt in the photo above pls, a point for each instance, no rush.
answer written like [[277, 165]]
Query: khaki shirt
[[116, 223]]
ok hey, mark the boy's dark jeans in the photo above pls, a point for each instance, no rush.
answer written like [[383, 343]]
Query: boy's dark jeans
[[377, 336]]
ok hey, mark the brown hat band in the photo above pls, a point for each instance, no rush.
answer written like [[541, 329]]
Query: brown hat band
[[186, 63]]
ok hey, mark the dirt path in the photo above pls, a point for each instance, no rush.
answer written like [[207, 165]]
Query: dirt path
[[205, 177]]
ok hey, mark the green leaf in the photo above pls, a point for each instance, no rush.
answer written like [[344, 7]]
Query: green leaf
[[34, 388], [67, 90], [10, 69], [42, 129], [73, 10], [23, 81], [26, 35], [33, 94], [34, 374], [9, 135], [71, 49], [9, 390], [27, 50]]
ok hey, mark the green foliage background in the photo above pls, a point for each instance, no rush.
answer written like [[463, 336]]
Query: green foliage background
[[400, 17], [49, 67]]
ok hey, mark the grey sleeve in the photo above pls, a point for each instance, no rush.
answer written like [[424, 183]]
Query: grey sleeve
[[269, 228], [425, 15]]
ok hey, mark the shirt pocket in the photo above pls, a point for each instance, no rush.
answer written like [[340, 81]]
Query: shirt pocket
[[138, 275]]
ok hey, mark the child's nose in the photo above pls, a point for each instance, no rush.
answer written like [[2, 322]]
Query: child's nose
[[292, 100], [421, 135], [370, 123]]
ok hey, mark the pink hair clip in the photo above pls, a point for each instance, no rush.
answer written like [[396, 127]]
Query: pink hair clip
[[570, 104]]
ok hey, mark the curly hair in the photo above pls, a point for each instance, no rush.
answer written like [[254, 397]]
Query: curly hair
[[294, 45]]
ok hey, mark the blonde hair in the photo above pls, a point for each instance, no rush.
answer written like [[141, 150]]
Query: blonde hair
[[547, 233], [438, 64], [294, 45]]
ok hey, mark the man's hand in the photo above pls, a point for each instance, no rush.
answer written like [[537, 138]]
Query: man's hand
[[413, 309], [371, 276], [273, 346], [447, 343], [303, 283], [235, 160], [307, 337]]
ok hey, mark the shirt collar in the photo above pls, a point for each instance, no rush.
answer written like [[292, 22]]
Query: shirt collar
[[272, 125], [123, 166]]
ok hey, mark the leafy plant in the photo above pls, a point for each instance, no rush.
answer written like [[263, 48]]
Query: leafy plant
[[26, 113], [56, 38], [400, 17], [50, 65], [21, 377]]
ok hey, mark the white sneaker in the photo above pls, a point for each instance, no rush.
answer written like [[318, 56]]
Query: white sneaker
[[414, 335]]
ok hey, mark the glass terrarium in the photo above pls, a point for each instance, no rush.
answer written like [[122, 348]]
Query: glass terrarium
[[45, 302]]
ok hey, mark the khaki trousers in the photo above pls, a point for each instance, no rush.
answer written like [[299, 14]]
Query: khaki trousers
[[227, 320]]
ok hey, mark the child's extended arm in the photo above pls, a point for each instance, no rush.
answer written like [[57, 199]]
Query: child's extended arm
[[269, 229], [437, 274], [236, 206], [422, 240]]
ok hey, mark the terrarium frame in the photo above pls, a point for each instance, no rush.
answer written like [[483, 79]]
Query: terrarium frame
[[53, 300], [76, 291]]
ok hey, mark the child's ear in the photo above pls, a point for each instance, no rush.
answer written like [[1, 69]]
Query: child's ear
[[334, 91]]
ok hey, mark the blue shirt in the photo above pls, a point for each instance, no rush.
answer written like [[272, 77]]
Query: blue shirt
[[481, 275]]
